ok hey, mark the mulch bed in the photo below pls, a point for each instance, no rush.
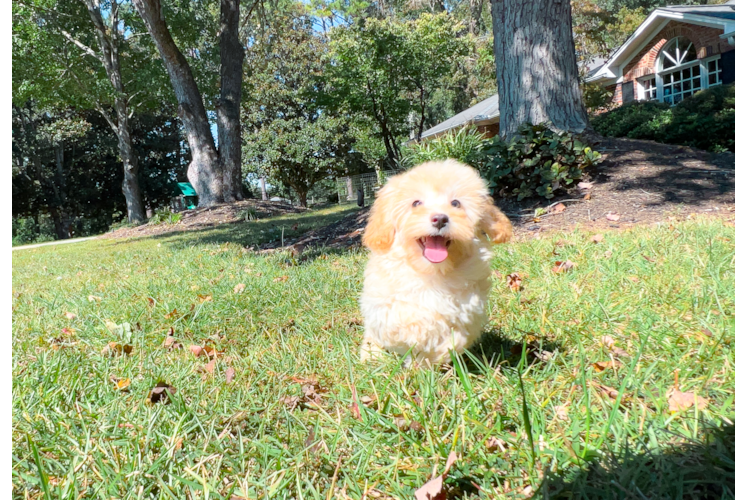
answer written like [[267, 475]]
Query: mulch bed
[[638, 182], [204, 218]]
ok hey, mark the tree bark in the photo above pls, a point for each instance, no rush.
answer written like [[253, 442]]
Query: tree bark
[[228, 109], [536, 66], [108, 41], [204, 173], [263, 190], [60, 214]]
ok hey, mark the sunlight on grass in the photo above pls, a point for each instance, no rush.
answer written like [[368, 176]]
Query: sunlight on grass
[[302, 418]]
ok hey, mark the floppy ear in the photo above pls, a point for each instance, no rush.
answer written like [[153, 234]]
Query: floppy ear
[[495, 224], [380, 230]]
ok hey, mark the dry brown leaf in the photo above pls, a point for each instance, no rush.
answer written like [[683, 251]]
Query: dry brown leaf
[[114, 348], [493, 443], [561, 412], [558, 208], [204, 298], [94, 298], [366, 400], [649, 259], [159, 393], [70, 315], [584, 185], [230, 372], [607, 341], [210, 367], [283, 278], [151, 301], [598, 238], [612, 216], [171, 314], [563, 266], [239, 288], [122, 384], [608, 254], [679, 401], [634, 279], [601, 366], [434, 488], [68, 331], [514, 282], [587, 196], [197, 350], [608, 391]]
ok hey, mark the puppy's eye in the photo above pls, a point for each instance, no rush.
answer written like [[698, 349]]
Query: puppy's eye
[[456, 204], [416, 203]]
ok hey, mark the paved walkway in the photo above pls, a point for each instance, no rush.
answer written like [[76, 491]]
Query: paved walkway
[[56, 242]]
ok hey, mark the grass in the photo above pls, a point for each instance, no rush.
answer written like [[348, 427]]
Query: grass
[[292, 336]]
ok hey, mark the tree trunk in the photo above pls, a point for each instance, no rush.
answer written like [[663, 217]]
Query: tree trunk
[[228, 109], [204, 172], [536, 66], [302, 194], [263, 190], [59, 186], [108, 41]]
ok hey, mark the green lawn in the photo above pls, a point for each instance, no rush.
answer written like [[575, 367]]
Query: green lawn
[[302, 418]]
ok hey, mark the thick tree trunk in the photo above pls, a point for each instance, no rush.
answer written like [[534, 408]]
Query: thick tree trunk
[[130, 185], [263, 189], [59, 186], [204, 172], [536, 67], [228, 109]]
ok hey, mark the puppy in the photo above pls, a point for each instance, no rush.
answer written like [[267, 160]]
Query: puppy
[[427, 280]]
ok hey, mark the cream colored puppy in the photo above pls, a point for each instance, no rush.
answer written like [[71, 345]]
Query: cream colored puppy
[[427, 280]]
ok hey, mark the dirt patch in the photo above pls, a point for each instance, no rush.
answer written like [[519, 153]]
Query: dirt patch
[[205, 218], [638, 182]]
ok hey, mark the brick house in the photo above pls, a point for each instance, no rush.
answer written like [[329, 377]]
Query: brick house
[[675, 52]]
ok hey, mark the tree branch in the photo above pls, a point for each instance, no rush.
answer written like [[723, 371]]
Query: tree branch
[[85, 48]]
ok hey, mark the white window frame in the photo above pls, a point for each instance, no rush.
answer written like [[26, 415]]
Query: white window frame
[[660, 72], [642, 91]]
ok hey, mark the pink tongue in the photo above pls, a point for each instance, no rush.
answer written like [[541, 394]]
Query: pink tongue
[[435, 249]]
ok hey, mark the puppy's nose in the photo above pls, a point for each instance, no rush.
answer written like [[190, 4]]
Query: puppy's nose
[[439, 220]]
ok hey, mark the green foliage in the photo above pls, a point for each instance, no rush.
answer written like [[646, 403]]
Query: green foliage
[[463, 145], [537, 161], [705, 120], [165, 216], [389, 70]]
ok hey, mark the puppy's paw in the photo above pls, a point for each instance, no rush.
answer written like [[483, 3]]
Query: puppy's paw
[[371, 351]]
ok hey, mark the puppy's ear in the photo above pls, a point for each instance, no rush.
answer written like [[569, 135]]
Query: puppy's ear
[[495, 224], [380, 230]]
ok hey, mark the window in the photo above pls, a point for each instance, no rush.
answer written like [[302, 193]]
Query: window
[[680, 84], [648, 89], [714, 72]]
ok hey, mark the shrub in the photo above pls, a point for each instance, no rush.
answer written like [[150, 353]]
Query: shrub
[[705, 120], [165, 216], [537, 161], [463, 146], [25, 230]]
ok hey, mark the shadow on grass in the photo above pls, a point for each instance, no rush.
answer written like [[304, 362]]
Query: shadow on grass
[[494, 349], [695, 470]]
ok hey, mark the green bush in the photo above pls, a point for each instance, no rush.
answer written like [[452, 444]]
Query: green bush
[[537, 161], [463, 146], [165, 216], [705, 120]]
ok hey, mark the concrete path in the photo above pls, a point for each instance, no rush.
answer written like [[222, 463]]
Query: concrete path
[[56, 242]]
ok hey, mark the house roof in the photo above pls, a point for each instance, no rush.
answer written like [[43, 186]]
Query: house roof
[[486, 111], [715, 16]]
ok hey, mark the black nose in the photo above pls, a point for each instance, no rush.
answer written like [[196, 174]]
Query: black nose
[[439, 220]]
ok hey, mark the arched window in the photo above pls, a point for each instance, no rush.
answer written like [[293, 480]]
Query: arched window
[[679, 70], [679, 73]]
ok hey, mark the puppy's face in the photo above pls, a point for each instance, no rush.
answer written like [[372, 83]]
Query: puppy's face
[[432, 213]]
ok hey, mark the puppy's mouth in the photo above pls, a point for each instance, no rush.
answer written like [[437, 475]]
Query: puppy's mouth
[[435, 248]]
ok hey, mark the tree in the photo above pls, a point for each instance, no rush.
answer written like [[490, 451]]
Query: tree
[[101, 43], [536, 68], [389, 71], [290, 135], [215, 173]]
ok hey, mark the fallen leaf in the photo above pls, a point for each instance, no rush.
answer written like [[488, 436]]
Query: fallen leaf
[[608, 391], [514, 281], [114, 348], [564, 266], [230, 372], [94, 298], [587, 196], [649, 259], [584, 185], [563, 243], [197, 350], [598, 238], [239, 288], [558, 208], [171, 314], [607, 341], [612, 216], [122, 384], [434, 488], [151, 301], [679, 401], [210, 367], [493, 443], [366, 400], [70, 315], [601, 366], [561, 412], [159, 393], [205, 298], [68, 331], [608, 254], [634, 279], [283, 278]]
